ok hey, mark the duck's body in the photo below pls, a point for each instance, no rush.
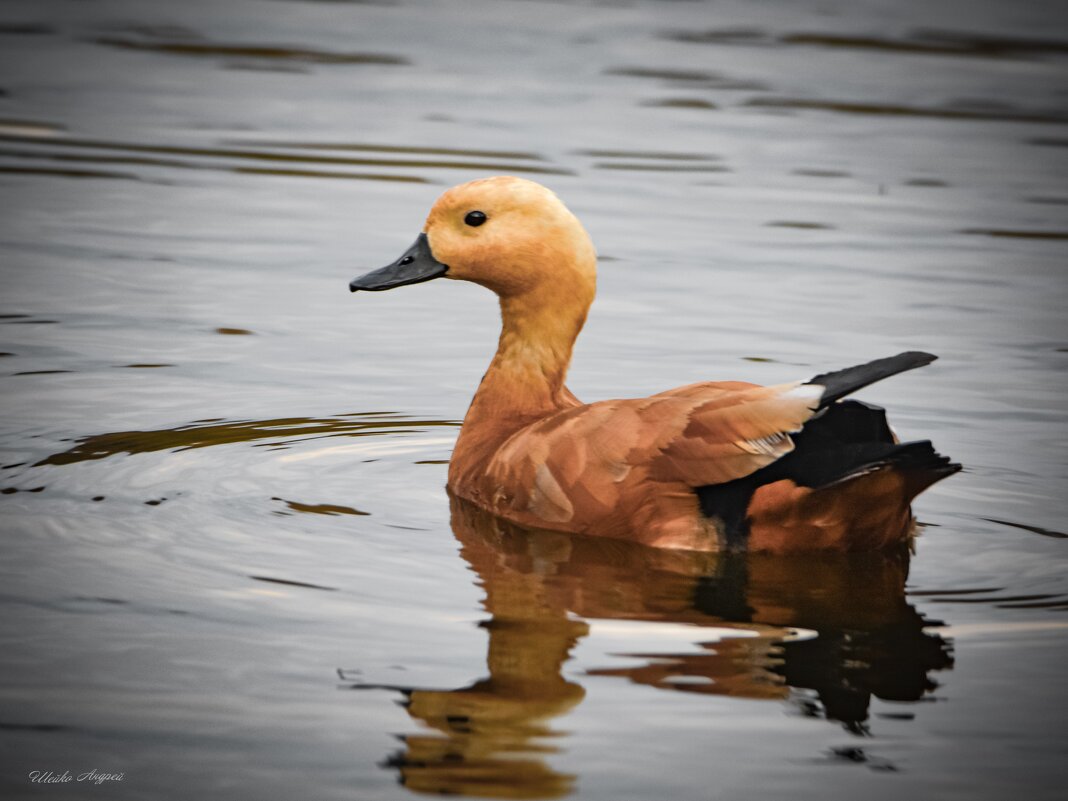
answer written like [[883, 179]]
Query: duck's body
[[708, 466]]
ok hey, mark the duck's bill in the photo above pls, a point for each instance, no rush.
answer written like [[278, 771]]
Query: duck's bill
[[415, 266]]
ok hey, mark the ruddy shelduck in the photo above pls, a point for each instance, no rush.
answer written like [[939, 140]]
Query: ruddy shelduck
[[710, 466]]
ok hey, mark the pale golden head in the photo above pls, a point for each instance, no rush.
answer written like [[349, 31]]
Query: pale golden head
[[510, 235]]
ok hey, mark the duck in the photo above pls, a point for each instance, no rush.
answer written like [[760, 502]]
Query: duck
[[709, 466]]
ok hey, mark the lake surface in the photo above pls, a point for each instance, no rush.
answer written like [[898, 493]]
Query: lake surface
[[230, 568]]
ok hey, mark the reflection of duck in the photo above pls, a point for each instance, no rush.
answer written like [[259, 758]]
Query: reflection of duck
[[868, 640], [490, 739], [708, 466]]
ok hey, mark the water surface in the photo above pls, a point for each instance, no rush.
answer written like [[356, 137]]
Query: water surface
[[230, 567]]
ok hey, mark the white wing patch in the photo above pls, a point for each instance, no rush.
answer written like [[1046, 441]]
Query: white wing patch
[[779, 444], [809, 392], [773, 445]]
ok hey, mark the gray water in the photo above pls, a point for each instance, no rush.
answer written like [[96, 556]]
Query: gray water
[[230, 568]]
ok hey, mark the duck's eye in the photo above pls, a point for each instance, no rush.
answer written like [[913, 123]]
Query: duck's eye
[[475, 218]]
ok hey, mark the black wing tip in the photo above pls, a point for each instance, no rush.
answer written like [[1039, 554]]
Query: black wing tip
[[918, 358], [839, 383]]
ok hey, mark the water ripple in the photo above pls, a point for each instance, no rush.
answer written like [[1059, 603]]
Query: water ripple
[[949, 112], [917, 42], [260, 51], [72, 149]]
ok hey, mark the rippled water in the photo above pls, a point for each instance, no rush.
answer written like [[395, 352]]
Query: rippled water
[[230, 567]]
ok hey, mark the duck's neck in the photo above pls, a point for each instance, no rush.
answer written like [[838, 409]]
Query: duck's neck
[[526, 377], [525, 380]]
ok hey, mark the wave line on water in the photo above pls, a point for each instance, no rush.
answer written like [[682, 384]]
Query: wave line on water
[[212, 154]]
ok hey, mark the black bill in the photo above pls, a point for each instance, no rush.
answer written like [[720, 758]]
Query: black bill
[[415, 266]]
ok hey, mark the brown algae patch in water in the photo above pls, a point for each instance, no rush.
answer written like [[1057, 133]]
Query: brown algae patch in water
[[318, 508], [279, 432]]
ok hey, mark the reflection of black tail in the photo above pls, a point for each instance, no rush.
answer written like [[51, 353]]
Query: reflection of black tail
[[869, 641], [846, 668]]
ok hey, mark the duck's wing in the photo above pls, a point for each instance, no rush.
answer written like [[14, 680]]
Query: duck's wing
[[699, 434], [721, 433]]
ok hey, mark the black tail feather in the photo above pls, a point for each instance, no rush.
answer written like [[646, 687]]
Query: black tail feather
[[840, 383]]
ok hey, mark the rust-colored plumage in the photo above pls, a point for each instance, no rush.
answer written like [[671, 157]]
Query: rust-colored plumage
[[708, 466]]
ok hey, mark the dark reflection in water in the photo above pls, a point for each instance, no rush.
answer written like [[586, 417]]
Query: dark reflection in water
[[279, 433], [73, 173], [920, 42], [837, 626], [693, 78], [26, 29], [1045, 532], [987, 112], [682, 102], [379, 148], [1012, 234], [264, 51], [934, 42]]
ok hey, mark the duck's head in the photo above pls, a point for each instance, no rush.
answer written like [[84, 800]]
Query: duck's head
[[511, 235]]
